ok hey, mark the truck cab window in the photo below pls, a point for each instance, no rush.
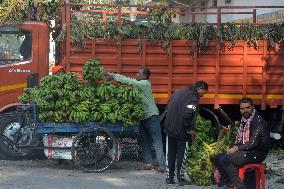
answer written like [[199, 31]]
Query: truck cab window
[[15, 45]]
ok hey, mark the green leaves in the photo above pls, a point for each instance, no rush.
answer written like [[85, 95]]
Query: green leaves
[[161, 33], [200, 34], [228, 33], [275, 33], [17, 11]]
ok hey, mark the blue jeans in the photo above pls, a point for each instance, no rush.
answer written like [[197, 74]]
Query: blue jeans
[[150, 130]]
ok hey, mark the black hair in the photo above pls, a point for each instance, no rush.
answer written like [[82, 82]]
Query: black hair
[[146, 72], [246, 100], [201, 85]]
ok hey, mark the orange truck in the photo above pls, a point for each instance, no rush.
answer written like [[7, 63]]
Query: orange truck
[[231, 75]]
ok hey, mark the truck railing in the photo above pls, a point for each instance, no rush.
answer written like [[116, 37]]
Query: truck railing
[[219, 11]]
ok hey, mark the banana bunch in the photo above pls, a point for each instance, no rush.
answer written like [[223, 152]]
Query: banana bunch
[[53, 96], [28, 95], [87, 92], [138, 110], [97, 116], [200, 170], [110, 110], [128, 93], [79, 112], [203, 128], [105, 91], [199, 165], [44, 105], [60, 116], [71, 81], [92, 71], [210, 149]]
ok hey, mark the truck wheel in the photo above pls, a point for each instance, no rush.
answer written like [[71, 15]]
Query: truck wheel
[[9, 128], [94, 150]]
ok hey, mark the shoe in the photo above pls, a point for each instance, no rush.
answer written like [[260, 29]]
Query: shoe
[[183, 182], [170, 181]]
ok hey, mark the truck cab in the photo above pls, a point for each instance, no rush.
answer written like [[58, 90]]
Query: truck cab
[[23, 51]]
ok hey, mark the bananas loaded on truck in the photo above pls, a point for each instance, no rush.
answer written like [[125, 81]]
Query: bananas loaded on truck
[[64, 98]]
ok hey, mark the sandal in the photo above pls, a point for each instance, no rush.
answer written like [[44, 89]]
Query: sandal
[[145, 167]]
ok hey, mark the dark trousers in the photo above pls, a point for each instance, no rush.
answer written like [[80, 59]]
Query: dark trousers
[[227, 163], [176, 153]]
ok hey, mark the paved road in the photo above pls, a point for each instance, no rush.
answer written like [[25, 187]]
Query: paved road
[[48, 174]]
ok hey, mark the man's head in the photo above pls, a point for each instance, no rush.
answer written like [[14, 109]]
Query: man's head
[[246, 107], [143, 74], [201, 87], [58, 70]]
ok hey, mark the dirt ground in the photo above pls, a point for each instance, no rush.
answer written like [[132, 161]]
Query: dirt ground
[[49, 174]]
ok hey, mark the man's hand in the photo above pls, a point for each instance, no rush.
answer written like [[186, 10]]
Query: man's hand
[[192, 134], [233, 150]]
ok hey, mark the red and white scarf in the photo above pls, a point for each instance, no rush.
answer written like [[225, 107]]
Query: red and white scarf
[[243, 131]]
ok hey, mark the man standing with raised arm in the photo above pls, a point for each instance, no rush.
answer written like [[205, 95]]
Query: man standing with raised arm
[[150, 123]]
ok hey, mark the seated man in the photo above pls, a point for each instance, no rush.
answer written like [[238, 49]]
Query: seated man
[[252, 146]]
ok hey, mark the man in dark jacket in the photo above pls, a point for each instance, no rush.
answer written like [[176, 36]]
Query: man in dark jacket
[[252, 146], [179, 127]]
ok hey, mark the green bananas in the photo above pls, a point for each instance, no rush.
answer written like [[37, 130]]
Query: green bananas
[[92, 72], [64, 98], [199, 165]]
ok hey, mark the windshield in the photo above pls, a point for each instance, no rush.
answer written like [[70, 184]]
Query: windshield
[[15, 46]]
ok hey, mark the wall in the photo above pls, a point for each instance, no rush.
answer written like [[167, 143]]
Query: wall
[[233, 17]]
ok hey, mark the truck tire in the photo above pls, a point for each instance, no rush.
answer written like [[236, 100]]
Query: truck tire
[[9, 127]]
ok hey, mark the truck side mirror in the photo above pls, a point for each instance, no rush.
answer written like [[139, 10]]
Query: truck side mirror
[[32, 80]]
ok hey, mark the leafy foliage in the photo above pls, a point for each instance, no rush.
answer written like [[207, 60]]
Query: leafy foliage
[[161, 33], [18, 11], [158, 29]]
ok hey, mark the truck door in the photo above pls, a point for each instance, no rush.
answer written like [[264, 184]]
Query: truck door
[[17, 61]]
